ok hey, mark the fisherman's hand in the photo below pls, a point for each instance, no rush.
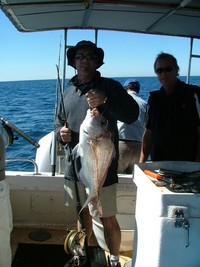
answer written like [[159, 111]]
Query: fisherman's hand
[[66, 134], [94, 112], [95, 98]]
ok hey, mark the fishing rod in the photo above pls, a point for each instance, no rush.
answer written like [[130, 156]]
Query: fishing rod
[[54, 150], [61, 93], [17, 130], [66, 147], [78, 207]]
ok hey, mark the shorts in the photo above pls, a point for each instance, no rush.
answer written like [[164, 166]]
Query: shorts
[[129, 154], [108, 202], [107, 198], [70, 193]]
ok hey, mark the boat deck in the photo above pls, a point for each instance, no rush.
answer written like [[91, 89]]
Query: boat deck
[[47, 236], [23, 235]]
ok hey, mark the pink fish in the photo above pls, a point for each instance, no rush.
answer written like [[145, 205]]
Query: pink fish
[[96, 151]]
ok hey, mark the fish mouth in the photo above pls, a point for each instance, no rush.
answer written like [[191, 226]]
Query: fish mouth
[[85, 132]]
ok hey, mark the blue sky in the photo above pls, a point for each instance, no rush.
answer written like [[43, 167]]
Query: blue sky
[[33, 56]]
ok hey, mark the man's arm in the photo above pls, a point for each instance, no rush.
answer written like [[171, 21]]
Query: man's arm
[[146, 146], [119, 103]]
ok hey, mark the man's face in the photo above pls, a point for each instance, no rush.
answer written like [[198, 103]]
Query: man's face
[[85, 61], [166, 72]]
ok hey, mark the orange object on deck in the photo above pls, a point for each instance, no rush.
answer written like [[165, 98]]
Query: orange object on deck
[[153, 174]]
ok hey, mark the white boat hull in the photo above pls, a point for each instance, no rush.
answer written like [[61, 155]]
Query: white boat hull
[[38, 200]]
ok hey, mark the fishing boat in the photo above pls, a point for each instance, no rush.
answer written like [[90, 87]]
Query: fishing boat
[[43, 225]]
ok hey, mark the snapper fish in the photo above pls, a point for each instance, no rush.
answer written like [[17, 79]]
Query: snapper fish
[[94, 153]]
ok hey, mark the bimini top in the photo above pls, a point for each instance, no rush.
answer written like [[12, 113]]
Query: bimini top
[[163, 17]]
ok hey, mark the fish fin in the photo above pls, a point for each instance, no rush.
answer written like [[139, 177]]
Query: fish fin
[[99, 208], [77, 151], [95, 201], [89, 199]]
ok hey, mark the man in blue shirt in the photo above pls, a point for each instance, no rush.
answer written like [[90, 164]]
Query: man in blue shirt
[[130, 135]]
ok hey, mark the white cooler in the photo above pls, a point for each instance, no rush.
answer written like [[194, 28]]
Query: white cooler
[[167, 230]]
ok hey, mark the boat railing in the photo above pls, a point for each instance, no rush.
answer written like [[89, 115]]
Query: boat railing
[[191, 55], [36, 170]]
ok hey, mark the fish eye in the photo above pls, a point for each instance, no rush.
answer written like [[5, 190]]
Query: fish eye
[[103, 122]]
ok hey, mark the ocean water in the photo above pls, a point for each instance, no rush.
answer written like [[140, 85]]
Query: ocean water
[[31, 105]]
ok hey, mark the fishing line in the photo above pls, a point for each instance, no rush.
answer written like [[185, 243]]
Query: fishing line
[[58, 82], [54, 143], [61, 95]]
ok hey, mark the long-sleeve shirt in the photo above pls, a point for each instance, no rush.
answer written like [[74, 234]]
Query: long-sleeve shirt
[[117, 107]]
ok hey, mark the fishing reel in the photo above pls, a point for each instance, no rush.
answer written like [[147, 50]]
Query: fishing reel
[[74, 245], [83, 255], [7, 134], [7, 128], [74, 242]]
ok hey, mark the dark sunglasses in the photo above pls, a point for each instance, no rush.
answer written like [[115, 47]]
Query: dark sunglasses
[[81, 57], [165, 69]]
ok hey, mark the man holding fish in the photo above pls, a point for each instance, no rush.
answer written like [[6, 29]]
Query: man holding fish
[[87, 124]]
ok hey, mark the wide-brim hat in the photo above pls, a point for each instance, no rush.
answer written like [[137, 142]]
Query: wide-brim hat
[[71, 52]]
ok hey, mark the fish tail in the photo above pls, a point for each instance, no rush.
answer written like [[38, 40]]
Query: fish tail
[[90, 199], [96, 203], [99, 208]]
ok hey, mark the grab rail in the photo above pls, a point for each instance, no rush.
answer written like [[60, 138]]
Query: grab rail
[[26, 160], [190, 59]]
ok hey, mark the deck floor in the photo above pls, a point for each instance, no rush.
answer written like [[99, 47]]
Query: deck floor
[[21, 235], [57, 236]]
